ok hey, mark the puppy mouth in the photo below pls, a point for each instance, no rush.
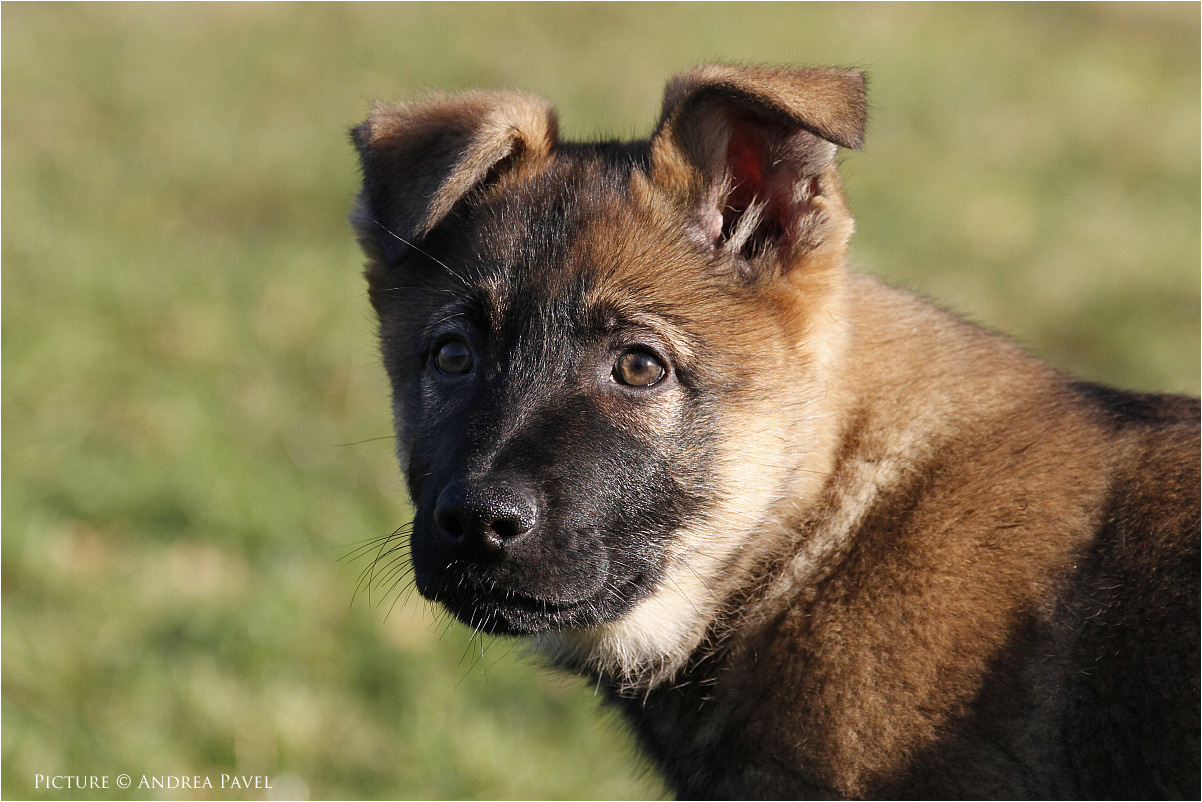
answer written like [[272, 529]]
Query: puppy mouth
[[505, 612], [526, 581], [490, 607]]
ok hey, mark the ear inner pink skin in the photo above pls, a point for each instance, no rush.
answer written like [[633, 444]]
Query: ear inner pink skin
[[758, 178], [745, 158]]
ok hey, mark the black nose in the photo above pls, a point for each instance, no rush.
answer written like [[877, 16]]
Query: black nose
[[479, 518]]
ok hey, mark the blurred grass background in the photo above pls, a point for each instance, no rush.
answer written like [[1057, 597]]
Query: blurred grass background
[[187, 349]]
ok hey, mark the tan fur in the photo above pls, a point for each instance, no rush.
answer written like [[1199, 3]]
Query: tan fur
[[953, 602]]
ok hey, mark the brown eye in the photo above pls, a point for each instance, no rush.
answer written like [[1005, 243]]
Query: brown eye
[[637, 368], [453, 358]]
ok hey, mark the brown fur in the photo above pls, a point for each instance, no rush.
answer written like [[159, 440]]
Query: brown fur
[[906, 558]]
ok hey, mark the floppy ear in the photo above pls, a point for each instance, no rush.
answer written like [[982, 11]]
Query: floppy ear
[[749, 152], [420, 159]]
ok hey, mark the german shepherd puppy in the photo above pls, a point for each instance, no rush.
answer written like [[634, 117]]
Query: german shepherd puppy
[[813, 535]]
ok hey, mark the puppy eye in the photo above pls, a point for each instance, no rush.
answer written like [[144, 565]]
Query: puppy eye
[[453, 358], [638, 368]]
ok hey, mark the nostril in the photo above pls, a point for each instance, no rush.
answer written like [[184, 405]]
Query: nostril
[[479, 518], [506, 528], [448, 521]]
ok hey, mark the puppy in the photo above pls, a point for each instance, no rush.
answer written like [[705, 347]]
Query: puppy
[[814, 536]]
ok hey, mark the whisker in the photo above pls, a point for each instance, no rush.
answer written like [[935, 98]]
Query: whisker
[[367, 440], [434, 259]]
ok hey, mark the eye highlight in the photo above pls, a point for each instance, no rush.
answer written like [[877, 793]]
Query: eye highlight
[[638, 367], [453, 358]]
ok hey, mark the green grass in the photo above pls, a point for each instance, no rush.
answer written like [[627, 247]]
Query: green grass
[[187, 349]]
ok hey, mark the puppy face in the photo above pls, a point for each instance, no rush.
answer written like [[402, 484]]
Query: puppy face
[[588, 346], [559, 412]]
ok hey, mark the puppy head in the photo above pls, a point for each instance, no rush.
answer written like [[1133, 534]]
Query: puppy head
[[588, 345]]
